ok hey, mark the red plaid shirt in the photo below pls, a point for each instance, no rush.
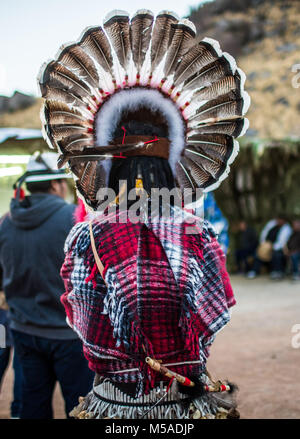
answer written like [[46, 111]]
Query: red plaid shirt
[[168, 293]]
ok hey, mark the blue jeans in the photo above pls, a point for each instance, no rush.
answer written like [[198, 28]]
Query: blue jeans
[[16, 405], [15, 408], [45, 361], [295, 259], [242, 259], [4, 360], [277, 263]]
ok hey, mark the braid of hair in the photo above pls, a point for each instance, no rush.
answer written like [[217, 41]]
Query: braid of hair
[[154, 171]]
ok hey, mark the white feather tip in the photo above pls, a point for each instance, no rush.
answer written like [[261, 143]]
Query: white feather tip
[[41, 72], [143, 12], [245, 127], [63, 47], [115, 13], [246, 103], [242, 76], [231, 61], [214, 43], [165, 12], [189, 24]]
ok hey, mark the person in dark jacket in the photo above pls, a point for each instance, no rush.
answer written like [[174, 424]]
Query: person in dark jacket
[[293, 250], [276, 232], [32, 237], [245, 247]]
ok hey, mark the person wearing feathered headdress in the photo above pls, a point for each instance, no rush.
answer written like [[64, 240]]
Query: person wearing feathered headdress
[[137, 109]]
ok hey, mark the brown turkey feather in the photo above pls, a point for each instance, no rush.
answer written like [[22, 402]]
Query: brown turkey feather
[[206, 140], [198, 174], [231, 127], [197, 154], [61, 117], [87, 180], [208, 74], [75, 58], [194, 60], [61, 95], [183, 35], [48, 134], [204, 171], [95, 43], [220, 145], [217, 88], [76, 142], [140, 36], [161, 36], [184, 178], [207, 164], [58, 76], [75, 159], [77, 169], [64, 130], [90, 180], [223, 107], [56, 113], [117, 28]]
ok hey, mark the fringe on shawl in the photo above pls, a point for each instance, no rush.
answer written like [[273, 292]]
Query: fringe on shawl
[[106, 401]]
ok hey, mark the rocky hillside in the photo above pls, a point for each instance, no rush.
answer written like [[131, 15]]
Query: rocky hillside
[[16, 102], [265, 37], [28, 117]]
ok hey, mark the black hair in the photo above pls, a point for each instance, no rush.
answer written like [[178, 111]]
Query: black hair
[[154, 171], [141, 128], [35, 187], [283, 216]]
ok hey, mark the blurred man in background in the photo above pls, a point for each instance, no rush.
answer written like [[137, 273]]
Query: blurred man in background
[[32, 237], [293, 250], [275, 234], [245, 247]]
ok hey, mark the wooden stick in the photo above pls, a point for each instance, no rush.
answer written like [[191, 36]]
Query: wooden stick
[[217, 386], [96, 256], [155, 365]]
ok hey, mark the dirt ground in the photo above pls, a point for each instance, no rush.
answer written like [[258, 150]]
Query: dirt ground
[[254, 350]]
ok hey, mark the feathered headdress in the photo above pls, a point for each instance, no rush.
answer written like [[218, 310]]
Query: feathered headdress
[[144, 66]]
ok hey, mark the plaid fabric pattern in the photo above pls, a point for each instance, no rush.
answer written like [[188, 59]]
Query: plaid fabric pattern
[[168, 293]]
